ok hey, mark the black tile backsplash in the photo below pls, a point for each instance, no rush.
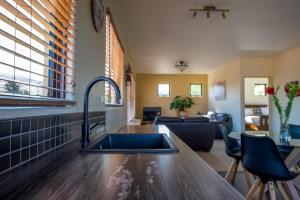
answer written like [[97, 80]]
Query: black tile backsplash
[[16, 127], [25, 154], [24, 139], [4, 146], [15, 142], [5, 127], [15, 158]]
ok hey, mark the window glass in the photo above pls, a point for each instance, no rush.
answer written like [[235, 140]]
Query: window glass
[[260, 89], [196, 90], [163, 89]]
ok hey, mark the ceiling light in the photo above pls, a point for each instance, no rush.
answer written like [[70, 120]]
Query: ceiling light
[[223, 15], [181, 66], [194, 15], [209, 10]]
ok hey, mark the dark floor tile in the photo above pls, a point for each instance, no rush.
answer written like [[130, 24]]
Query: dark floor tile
[[34, 124]]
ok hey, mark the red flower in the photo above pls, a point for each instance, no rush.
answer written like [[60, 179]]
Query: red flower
[[270, 90]]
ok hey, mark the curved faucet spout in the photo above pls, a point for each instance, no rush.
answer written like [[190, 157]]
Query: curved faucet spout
[[85, 125]]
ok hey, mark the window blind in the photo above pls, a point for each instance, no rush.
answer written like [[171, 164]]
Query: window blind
[[113, 61], [37, 49]]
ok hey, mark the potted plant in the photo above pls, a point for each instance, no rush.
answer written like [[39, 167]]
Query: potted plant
[[181, 103], [292, 90]]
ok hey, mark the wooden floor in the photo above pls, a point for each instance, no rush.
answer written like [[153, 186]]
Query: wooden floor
[[219, 161]]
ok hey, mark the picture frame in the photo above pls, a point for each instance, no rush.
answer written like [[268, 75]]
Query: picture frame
[[220, 91]]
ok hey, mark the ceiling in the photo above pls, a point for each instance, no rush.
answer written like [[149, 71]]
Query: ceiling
[[159, 33]]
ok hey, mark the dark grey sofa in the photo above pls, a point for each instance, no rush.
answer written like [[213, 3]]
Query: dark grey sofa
[[197, 132], [220, 118]]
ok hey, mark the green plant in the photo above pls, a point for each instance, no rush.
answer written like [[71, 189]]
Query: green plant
[[180, 103], [292, 90]]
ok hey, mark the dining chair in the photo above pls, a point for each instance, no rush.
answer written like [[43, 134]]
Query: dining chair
[[295, 131], [233, 149], [260, 156]]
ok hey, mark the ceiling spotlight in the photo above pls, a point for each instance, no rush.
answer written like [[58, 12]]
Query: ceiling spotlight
[[195, 14], [181, 66], [223, 15], [209, 9]]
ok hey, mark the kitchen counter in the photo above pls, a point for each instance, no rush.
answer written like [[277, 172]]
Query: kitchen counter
[[182, 175]]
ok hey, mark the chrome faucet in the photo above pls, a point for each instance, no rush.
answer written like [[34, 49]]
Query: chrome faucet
[[85, 126]]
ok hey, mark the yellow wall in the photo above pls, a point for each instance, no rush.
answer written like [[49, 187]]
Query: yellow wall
[[179, 85]]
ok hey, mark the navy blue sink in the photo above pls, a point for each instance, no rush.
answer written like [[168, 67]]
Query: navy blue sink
[[134, 143]]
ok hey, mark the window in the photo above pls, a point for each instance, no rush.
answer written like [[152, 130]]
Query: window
[[37, 51], [163, 89], [113, 60], [196, 90], [260, 89]]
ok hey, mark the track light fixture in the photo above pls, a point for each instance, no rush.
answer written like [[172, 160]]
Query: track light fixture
[[209, 10]]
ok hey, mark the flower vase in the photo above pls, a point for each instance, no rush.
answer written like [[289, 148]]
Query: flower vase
[[284, 132]]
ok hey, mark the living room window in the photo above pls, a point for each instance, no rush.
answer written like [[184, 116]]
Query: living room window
[[196, 89], [114, 60], [260, 89], [37, 52], [163, 90]]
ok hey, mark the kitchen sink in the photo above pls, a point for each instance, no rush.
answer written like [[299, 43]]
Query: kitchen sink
[[134, 143]]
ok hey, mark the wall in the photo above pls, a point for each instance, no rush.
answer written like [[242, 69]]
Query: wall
[[230, 72], [90, 62], [179, 85], [250, 98], [286, 68]]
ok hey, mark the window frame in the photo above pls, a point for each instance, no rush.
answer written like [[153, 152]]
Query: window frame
[[260, 84], [121, 104], [60, 42], [168, 92], [201, 95]]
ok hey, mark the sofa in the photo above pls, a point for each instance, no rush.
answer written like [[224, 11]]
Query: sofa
[[220, 118], [197, 132]]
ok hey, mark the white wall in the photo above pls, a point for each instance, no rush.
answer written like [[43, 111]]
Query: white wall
[[286, 69], [250, 98], [90, 62], [229, 72]]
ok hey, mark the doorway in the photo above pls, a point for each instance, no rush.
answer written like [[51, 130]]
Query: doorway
[[256, 105]]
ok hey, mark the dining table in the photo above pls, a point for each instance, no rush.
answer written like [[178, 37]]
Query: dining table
[[291, 160]]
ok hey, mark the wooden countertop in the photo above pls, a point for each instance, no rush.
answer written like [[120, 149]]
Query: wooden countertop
[[182, 175]]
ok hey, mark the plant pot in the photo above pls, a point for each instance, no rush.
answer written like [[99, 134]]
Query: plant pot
[[182, 113]]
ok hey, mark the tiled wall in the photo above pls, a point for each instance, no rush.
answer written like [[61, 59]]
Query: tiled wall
[[25, 139]]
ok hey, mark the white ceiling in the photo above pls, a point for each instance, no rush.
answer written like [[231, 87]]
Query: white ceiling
[[159, 33]]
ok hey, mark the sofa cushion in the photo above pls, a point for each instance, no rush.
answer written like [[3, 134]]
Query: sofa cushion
[[222, 117], [196, 119], [162, 120]]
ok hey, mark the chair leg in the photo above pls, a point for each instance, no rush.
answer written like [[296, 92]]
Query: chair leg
[[261, 191], [272, 190], [228, 175], [253, 189], [236, 165], [248, 178], [282, 191]]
